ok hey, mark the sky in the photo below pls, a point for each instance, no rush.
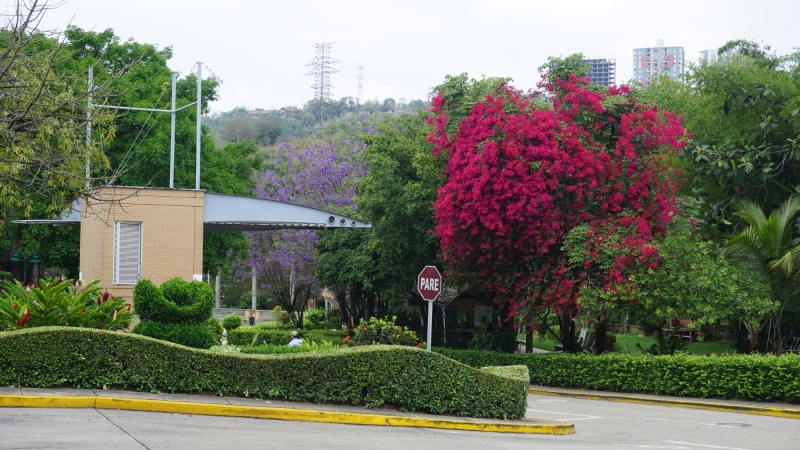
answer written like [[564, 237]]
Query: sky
[[260, 48]]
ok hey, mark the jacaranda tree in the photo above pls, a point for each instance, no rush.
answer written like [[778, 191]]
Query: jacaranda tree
[[319, 176], [524, 170]]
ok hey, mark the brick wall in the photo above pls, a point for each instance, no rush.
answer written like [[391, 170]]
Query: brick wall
[[172, 234]]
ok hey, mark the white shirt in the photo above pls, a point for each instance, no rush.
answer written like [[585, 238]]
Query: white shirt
[[296, 342]]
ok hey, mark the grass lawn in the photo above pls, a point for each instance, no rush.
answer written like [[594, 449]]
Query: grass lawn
[[627, 344]]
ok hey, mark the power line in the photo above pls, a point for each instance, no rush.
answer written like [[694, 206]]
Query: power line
[[360, 83], [321, 69]]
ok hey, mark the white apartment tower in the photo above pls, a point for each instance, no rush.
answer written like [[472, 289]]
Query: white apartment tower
[[658, 61]]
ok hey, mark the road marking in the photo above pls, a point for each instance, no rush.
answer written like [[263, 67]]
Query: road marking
[[691, 421], [706, 445], [653, 446], [580, 416]]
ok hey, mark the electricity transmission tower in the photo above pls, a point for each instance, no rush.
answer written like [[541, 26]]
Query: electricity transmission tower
[[321, 69], [360, 83]]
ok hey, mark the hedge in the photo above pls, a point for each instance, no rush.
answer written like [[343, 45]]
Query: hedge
[[176, 301], [747, 377], [197, 335], [273, 336], [412, 379]]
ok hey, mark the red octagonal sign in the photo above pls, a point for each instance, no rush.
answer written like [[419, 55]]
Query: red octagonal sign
[[429, 283]]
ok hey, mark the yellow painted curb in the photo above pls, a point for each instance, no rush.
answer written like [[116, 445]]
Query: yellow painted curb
[[262, 412], [746, 409]]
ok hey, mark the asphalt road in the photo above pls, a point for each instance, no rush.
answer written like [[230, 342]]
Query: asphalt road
[[598, 425]]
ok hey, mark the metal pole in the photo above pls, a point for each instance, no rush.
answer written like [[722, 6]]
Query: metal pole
[[199, 124], [217, 287], [430, 325], [89, 128], [254, 293], [172, 136]]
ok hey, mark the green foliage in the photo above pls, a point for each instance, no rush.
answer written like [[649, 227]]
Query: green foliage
[[308, 346], [519, 371], [176, 301], [314, 319], [62, 303], [769, 248], [744, 113], [281, 317], [261, 334], [232, 322], [666, 345], [496, 338], [367, 375], [381, 331], [746, 377], [196, 335], [689, 281], [177, 312], [216, 328]]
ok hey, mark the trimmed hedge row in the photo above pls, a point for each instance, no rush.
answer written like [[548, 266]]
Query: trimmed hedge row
[[748, 377], [409, 378], [197, 335], [273, 336]]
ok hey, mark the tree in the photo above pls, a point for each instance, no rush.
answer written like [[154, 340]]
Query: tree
[[744, 113], [43, 145], [319, 176], [768, 247], [522, 174], [689, 281]]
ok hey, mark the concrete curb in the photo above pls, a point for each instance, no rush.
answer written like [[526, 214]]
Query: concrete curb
[[725, 407], [259, 412]]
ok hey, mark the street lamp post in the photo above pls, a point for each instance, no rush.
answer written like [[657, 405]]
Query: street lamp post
[[35, 260]]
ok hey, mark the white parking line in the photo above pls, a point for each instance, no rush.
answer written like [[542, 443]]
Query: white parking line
[[653, 446], [691, 421], [578, 416], [706, 445]]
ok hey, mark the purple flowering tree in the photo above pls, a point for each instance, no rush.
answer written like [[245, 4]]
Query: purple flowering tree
[[320, 176]]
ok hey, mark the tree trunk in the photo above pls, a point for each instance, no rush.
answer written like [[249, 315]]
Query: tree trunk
[[600, 333], [567, 326]]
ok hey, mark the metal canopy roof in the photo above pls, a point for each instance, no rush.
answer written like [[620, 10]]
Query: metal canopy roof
[[224, 212]]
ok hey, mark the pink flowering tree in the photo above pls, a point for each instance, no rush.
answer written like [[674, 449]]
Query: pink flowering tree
[[320, 176], [524, 170]]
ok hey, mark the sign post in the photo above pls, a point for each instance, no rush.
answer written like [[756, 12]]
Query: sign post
[[429, 285]]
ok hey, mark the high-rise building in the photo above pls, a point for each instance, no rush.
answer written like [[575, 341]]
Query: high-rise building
[[604, 71], [711, 56], [658, 61]]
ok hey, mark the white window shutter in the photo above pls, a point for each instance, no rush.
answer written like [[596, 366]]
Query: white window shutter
[[128, 252]]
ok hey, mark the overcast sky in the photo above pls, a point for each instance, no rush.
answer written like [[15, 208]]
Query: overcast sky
[[260, 48]]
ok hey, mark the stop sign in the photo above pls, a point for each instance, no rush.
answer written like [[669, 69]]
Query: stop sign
[[429, 283]]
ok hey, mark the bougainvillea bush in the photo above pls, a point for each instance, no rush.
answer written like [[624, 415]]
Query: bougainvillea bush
[[524, 170], [62, 303]]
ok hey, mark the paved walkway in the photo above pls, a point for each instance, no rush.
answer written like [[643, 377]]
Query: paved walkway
[[265, 409]]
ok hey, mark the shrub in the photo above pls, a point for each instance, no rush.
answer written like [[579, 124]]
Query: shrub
[[267, 334], [196, 335], [381, 331], [63, 303], [492, 337], [519, 371], [747, 377], [232, 322], [281, 317], [176, 301], [215, 327], [314, 319], [368, 375]]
